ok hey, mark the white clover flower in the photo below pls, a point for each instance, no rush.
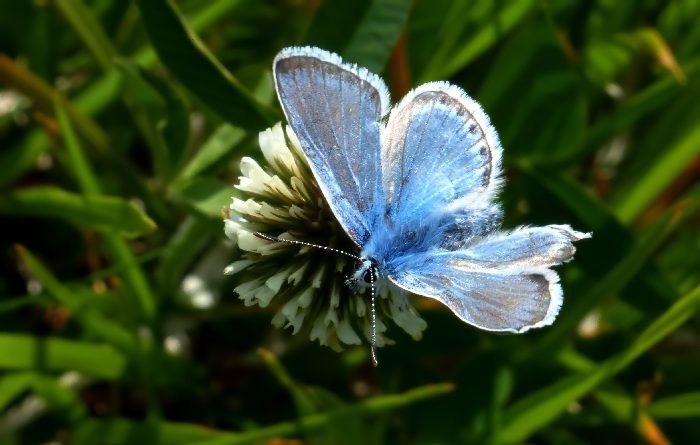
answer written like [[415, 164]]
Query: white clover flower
[[305, 285]]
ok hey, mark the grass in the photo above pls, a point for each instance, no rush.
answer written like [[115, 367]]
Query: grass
[[122, 124]]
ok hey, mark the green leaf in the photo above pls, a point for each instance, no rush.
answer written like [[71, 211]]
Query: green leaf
[[310, 400], [649, 100], [161, 113], [679, 135], [175, 124], [334, 24], [90, 31], [219, 146], [78, 303], [682, 405], [147, 108], [116, 246], [606, 58], [128, 432], [573, 196], [125, 432], [192, 236], [619, 276], [12, 385], [534, 411], [377, 34], [206, 195], [20, 157], [448, 59], [547, 121], [188, 59], [59, 399], [104, 213], [25, 352], [44, 96]]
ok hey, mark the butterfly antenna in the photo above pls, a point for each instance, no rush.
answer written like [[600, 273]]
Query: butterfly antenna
[[375, 362], [303, 243], [372, 279]]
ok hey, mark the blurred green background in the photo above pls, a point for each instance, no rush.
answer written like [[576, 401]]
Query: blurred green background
[[121, 125]]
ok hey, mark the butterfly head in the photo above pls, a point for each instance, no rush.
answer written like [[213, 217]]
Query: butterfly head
[[365, 275]]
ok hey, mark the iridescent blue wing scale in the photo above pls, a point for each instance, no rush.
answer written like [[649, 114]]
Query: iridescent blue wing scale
[[502, 282], [335, 110], [440, 155]]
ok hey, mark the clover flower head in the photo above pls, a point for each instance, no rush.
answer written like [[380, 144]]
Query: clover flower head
[[305, 285]]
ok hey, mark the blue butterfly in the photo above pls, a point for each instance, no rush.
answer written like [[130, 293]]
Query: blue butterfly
[[414, 187]]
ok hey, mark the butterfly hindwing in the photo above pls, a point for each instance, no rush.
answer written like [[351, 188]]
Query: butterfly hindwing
[[335, 110], [493, 300], [500, 283]]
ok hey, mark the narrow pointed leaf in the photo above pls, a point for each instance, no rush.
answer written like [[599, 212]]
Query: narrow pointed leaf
[[541, 407], [190, 61], [26, 352], [104, 213], [377, 34]]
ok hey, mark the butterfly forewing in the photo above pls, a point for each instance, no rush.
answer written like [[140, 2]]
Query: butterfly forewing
[[335, 110], [439, 154]]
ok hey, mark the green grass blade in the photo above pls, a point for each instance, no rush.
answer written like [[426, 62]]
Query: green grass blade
[[43, 97], [61, 400], [377, 34], [449, 60], [19, 158], [26, 352], [12, 385], [95, 98], [624, 270], [315, 421], [90, 31], [146, 107], [654, 97], [188, 59], [207, 196], [676, 157], [193, 235], [311, 399], [123, 432], [116, 246], [128, 432], [540, 408], [104, 213], [93, 321], [674, 407], [217, 147], [304, 403], [548, 119]]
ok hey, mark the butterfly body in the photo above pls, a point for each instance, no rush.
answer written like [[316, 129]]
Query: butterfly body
[[414, 187]]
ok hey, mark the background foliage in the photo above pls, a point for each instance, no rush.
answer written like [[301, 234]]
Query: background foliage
[[121, 124]]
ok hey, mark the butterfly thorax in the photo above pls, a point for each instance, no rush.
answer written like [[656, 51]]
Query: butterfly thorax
[[392, 245]]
